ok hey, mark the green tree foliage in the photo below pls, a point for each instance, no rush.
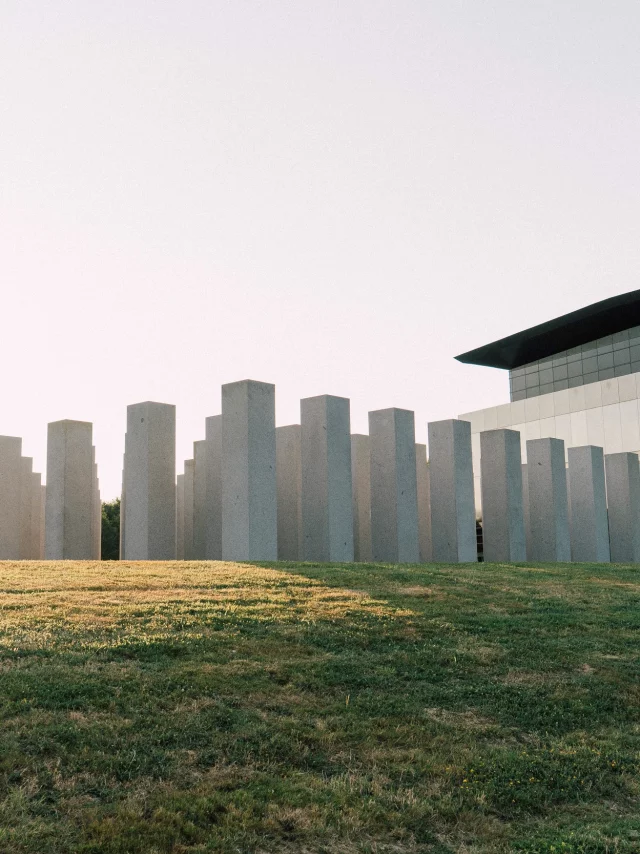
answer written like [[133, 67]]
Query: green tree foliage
[[111, 529]]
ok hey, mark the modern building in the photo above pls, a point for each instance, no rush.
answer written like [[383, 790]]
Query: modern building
[[575, 378]]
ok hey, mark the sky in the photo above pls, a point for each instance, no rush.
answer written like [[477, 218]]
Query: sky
[[334, 197]]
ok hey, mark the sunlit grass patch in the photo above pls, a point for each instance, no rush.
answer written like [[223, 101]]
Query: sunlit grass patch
[[192, 707]]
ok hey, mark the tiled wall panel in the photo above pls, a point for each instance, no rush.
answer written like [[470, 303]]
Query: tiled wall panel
[[614, 356]]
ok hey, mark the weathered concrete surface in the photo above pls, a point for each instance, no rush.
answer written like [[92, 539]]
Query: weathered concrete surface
[[525, 507], [26, 508], [214, 487], [200, 458], [180, 517], [327, 499], [424, 504], [249, 503], [36, 516], [289, 489], [453, 517], [43, 504], [361, 480], [123, 505], [394, 498], [10, 504], [96, 530], [68, 520], [623, 496], [149, 482], [188, 509], [504, 538], [548, 502], [588, 505]]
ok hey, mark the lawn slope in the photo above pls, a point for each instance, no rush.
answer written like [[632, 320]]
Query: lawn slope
[[149, 708]]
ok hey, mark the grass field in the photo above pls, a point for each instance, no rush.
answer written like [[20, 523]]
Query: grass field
[[195, 707]]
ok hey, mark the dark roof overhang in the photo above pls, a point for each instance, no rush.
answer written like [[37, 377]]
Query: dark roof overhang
[[571, 330]]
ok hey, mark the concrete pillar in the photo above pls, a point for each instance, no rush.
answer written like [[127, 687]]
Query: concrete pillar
[[96, 533], [249, 504], [149, 481], [200, 499], [94, 484], [214, 488], [43, 504], [503, 533], [394, 492], [453, 515], [361, 481], [123, 506], [69, 491], [10, 497], [327, 499], [623, 497], [289, 489], [525, 508], [180, 517], [36, 515], [26, 508], [588, 505], [548, 504], [424, 504], [188, 509], [98, 523]]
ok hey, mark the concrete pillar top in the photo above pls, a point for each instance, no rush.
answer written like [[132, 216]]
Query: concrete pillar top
[[70, 421]]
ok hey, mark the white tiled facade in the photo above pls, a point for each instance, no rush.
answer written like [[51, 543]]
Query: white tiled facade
[[605, 413]]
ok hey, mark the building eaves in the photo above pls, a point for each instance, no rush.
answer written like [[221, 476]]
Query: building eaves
[[563, 333]]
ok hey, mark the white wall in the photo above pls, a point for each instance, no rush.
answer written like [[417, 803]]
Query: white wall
[[605, 413]]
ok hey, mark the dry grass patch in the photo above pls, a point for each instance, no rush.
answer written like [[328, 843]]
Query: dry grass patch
[[469, 719], [528, 677]]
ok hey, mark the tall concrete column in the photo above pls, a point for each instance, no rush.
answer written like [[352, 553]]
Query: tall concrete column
[[149, 481], [623, 496], [94, 487], [525, 508], [43, 504], [453, 516], [424, 504], [289, 489], [10, 492], [327, 499], [96, 533], [180, 517], [249, 504], [188, 509], [548, 503], [11, 471], [214, 487], [122, 506], [394, 492], [588, 505], [36, 515], [503, 533], [69, 491], [361, 480], [200, 499], [99, 524], [26, 508]]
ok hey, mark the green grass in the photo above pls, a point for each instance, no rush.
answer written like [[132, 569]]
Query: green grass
[[194, 707]]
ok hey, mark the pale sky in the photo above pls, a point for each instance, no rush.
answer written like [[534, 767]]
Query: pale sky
[[336, 197]]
